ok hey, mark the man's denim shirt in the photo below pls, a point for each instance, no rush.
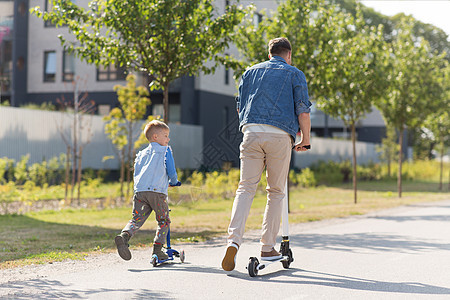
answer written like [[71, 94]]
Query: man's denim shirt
[[154, 169], [273, 93]]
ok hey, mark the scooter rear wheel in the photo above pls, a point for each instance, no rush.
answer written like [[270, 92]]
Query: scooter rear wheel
[[290, 259], [154, 261], [253, 266]]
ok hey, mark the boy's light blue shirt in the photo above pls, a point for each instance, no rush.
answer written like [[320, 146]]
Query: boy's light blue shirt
[[273, 93], [154, 169]]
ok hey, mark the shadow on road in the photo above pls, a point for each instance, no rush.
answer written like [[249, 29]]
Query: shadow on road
[[433, 218], [362, 242], [306, 277], [54, 289]]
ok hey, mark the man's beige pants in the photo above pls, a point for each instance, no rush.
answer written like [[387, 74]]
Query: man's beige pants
[[259, 150]]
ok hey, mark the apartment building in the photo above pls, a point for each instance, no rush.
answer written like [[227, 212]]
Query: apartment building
[[34, 68]]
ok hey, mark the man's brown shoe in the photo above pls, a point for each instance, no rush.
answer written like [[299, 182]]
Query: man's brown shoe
[[229, 260], [272, 255]]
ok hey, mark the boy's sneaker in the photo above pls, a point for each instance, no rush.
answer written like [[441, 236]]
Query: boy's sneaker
[[229, 260], [122, 245], [272, 255], [157, 249]]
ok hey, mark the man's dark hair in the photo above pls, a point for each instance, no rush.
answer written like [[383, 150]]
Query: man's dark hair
[[279, 46]]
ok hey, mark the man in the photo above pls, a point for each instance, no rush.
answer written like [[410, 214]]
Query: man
[[272, 104]]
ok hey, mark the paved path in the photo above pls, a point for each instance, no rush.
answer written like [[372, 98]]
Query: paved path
[[403, 253]]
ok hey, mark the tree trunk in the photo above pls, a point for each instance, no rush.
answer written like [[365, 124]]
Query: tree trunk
[[74, 163], [354, 161], [67, 175], [166, 102], [122, 172], [79, 175], [400, 156], [442, 167], [389, 166]]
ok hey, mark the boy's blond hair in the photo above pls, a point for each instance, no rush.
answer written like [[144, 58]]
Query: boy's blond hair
[[154, 127]]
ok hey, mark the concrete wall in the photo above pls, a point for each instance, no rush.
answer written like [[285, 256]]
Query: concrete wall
[[335, 150], [38, 133]]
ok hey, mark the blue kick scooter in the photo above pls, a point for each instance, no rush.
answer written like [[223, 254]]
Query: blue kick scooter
[[254, 265], [170, 252]]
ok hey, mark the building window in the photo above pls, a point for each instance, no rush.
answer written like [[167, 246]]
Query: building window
[[111, 73], [68, 66], [48, 7], [49, 66], [174, 112]]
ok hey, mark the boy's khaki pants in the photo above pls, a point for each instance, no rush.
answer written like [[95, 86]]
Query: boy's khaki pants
[[259, 150]]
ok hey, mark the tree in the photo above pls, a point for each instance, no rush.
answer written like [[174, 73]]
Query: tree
[[389, 148], [310, 25], [73, 136], [439, 123], [337, 53], [356, 76], [164, 39], [414, 89], [123, 126]]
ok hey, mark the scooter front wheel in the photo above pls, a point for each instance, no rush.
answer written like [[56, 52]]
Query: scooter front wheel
[[182, 256], [253, 266]]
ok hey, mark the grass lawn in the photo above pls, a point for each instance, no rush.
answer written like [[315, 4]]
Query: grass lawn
[[47, 236]]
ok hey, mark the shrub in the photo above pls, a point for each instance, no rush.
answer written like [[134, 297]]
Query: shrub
[[304, 178], [20, 171], [327, 172], [3, 169], [37, 173], [197, 179], [54, 173]]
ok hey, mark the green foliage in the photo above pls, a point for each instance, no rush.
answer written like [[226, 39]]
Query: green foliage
[[37, 173], [221, 183], [415, 74], [305, 178], [389, 148], [20, 171], [196, 179], [122, 122], [43, 106], [40, 174], [165, 39], [3, 168], [9, 192]]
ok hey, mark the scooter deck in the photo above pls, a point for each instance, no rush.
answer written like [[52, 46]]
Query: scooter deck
[[265, 263]]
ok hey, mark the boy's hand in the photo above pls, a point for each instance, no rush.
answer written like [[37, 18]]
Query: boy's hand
[[176, 184]]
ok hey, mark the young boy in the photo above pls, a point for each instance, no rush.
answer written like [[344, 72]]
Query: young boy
[[154, 171]]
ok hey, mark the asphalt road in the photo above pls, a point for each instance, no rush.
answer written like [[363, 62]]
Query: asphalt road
[[403, 253]]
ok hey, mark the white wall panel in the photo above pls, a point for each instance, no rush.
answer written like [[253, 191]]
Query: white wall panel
[[38, 133], [335, 150]]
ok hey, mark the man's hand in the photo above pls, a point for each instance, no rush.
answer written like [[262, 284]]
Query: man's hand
[[302, 147], [176, 184]]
